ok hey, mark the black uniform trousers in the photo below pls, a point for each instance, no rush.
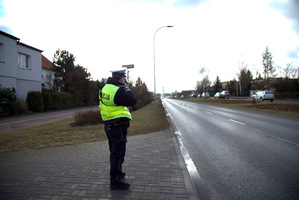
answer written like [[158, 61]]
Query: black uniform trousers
[[117, 139]]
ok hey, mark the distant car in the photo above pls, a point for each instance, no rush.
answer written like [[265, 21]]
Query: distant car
[[205, 95], [264, 95], [225, 94], [218, 95]]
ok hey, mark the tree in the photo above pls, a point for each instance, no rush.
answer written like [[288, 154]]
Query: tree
[[98, 85], [78, 84], [269, 69], [287, 85], [142, 94], [63, 62], [74, 80], [217, 85], [203, 85], [245, 78], [232, 87], [289, 71], [203, 70], [258, 83]]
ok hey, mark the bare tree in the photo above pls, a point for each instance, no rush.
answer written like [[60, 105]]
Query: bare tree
[[289, 71], [203, 85], [269, 69], [202, 70]]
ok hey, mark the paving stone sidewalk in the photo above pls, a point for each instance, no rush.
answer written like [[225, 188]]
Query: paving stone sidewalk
[[154, 168]]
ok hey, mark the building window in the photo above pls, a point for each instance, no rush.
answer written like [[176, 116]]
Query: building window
[[1, 52], [23, 61]]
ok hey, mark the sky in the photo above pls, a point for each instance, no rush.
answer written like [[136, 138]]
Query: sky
[[221, 36]]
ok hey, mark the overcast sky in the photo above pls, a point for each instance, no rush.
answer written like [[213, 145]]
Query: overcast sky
[[103, 35]]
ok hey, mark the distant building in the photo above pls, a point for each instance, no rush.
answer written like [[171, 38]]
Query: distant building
[[20, 66], [47, 74], [224, 84]]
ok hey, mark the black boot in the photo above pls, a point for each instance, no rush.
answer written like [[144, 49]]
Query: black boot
[[122, 175], [120, 186]]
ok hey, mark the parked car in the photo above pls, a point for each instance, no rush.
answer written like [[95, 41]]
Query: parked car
[[205, 95], [225, 94], [218, 95], [264, 95]]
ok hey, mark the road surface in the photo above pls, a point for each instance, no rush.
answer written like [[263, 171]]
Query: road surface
[[239, 154]]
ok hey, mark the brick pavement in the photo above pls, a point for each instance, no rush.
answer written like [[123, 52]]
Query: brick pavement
[[154, 168]]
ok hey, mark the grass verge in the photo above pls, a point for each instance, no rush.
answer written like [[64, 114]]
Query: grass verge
[[145, 120], [274, 108]]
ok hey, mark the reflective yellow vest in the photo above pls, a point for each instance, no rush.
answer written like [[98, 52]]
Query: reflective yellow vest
[[108, 109]]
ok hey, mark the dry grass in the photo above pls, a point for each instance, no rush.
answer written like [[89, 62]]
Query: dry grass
[[90, 117], [279, 109], [145, 120], [149, 119]]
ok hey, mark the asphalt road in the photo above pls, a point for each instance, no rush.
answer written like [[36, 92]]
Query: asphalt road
[[239, 154]]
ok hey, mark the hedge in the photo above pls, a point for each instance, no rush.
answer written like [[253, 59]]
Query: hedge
[[35, 101], [57, 100]]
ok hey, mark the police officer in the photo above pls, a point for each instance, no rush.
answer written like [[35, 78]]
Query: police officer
[[114, 99]]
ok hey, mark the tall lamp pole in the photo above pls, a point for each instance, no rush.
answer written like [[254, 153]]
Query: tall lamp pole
[[155, 60]]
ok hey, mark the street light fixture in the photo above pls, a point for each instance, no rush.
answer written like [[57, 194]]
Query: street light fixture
[[155, 60]]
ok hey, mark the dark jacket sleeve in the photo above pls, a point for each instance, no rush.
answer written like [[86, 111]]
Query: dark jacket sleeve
[[125, 97]]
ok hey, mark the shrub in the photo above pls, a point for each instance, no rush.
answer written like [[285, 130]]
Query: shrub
[[89, 117], [67, 100], [57, 100], [48, 100], [296, 95], [254, 101], [137, 106], [286, 95], [35, 101], [9, 104]]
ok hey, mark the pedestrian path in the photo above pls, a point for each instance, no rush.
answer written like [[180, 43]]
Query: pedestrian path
[[154, 168]]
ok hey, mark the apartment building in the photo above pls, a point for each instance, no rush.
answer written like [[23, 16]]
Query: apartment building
[[20, 66]]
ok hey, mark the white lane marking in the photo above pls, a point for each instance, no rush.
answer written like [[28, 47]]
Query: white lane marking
[[278, 138], [209, 113], [237, 122]]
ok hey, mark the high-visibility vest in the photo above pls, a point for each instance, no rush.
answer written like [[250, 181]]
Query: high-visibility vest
[[107, 106]]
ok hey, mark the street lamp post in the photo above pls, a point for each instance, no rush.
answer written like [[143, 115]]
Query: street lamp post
[[155, 60]]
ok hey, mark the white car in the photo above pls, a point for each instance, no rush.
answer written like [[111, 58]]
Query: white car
[[218, 95], [225, 95], [264, 95]]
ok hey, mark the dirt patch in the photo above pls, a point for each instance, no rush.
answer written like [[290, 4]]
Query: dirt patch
[[223, 101], [278, 107], [226, 101]]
